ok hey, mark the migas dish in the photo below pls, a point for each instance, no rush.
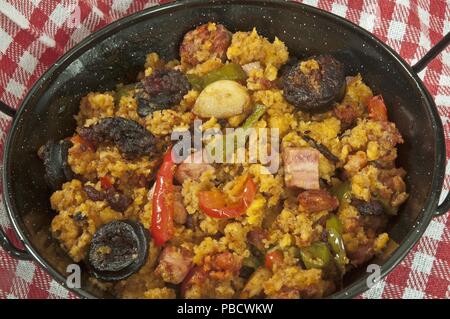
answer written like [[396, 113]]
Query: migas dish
[[246, 81]]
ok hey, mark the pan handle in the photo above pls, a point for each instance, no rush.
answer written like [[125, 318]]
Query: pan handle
[[7, 110], [430, 55], [444, 207], [12, 250], [5, 242]]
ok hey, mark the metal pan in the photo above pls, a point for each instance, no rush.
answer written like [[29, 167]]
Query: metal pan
[[116, 53]]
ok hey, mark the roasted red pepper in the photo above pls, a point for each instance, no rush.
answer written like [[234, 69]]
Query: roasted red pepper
[[163, 201], [273, 258], [377, 109], [214, 204]]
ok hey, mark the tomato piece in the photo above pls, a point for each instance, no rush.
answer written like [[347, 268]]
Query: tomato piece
[[272, 258], [214, 204], [212, 198], [105, 182], [231, 211], [248, 195], [162, 227], [377, 109]]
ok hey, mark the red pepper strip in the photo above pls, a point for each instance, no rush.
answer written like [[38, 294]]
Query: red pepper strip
[[105, 182], [377, 109], [249, 192], [162, 228], [213, 203]]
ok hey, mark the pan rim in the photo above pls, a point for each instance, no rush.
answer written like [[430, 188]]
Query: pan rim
[[350, 291]]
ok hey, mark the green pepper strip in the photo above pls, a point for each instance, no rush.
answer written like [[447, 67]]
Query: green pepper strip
[[316, 256], [252, 262], [334, 237], [341, 191], [333, 223], [251, 120], [195, 81], [229, 71], [259, 111]]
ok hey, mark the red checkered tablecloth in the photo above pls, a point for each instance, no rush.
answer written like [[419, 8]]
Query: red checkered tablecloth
[[34, 33]]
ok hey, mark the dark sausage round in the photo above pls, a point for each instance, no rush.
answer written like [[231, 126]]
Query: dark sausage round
[[117, 250], [132, 139], [315, 84]]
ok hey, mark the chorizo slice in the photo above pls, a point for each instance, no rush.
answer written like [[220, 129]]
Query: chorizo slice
[[317, 200], [205, 42], [192, 167]]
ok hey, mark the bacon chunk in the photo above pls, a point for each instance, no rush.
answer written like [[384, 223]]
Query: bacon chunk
[[192, 167], [301, 167], [174, 264]]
